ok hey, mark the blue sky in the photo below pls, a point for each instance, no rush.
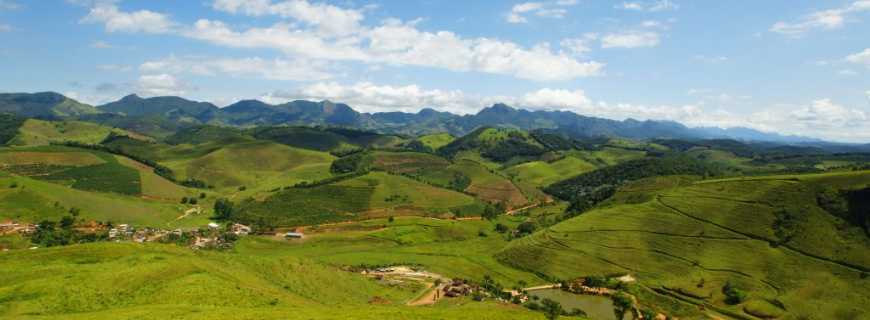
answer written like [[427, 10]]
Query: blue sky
[[798, 67]]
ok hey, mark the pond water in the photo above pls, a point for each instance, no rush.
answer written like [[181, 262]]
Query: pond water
[[596, 307]]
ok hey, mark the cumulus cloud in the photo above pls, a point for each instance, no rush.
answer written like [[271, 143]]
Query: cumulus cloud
[[370, 97], [652, 6], [630, 39], [553, 9], [580, 45], [861, 58], [326, 18], [273, 69], [9, 5], [821, 20], [151, 85], [116, 20], [398, 43]]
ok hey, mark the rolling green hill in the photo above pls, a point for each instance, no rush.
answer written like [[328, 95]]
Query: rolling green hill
[[44, 105], [376, 194], [261, 165], [259, 279], [766, 235]]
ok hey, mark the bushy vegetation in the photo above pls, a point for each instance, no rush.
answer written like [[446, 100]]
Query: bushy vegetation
[[588, 189], [9, 125]]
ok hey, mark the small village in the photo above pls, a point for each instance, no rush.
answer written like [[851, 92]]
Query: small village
[[210, 236]]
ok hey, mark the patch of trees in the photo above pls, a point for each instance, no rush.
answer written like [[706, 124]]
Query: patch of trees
[[223, 209], [61, 233], [510, 148], [787, 223], [159, 169], [587, 190], [418, 146], [9, 125], [733, 295], [850, 205], [513, 145], [354, 163], [460, 182], [553, 141]]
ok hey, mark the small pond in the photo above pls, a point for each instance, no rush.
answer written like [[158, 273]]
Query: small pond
[[596, 307]]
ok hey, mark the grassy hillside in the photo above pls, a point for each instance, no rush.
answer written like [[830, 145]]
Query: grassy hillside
[[376, 194], [256, 164], [35, 200], [38, 132], [259, 279], [767, 236], [490, 186], [541, 173], [436, 141]]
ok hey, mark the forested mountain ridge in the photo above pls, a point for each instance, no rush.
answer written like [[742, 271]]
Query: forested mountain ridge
[[161, 115]]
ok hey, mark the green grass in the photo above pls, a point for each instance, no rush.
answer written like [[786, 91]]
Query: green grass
[[376, 194], [85, 169], [39, 132], [258, 165], [489, 186], [690, 238], [437, 140], [407, 162], [540, 173], [259, 279]]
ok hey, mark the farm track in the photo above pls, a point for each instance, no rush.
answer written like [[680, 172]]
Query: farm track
[[656, 233], [694, 264], [850, 266]]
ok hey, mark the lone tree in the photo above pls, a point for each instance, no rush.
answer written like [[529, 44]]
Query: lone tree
[[552, 309], [223, 209]]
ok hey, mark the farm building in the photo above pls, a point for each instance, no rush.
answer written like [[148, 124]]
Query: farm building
[[294, 235], [240, 229]]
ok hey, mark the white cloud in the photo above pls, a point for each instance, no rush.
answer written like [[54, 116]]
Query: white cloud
[[579, 46], [5, 28], [9, 5], [847, 72], [161, 85], [554, 9], [369, 97], [861, 58], [652, 6], [824, 20], [630, 39], [137, 21], [326, 18], [274, 69], [555, 99], [710, 59], [392, 42], [114, 67], [398, 43], [101, 45]]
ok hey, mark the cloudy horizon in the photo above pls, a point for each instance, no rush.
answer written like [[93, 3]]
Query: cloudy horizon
[[797, 68]]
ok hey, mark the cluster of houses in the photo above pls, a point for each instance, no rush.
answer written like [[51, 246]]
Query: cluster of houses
[[457, 288], [12, 227]]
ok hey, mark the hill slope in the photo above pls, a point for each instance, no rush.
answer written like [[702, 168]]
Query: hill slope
[[767, 236]]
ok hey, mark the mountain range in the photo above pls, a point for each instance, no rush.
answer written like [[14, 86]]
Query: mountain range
[[162, 115]]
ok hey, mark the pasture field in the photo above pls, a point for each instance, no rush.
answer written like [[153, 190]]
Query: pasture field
[[39, 132], [489, 186], [260, 165], [376, 194], [35, 200], [688, 240], [541, 173], [78, 168], [407, 162], [436, 141], [258, 279], [607, 156]]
